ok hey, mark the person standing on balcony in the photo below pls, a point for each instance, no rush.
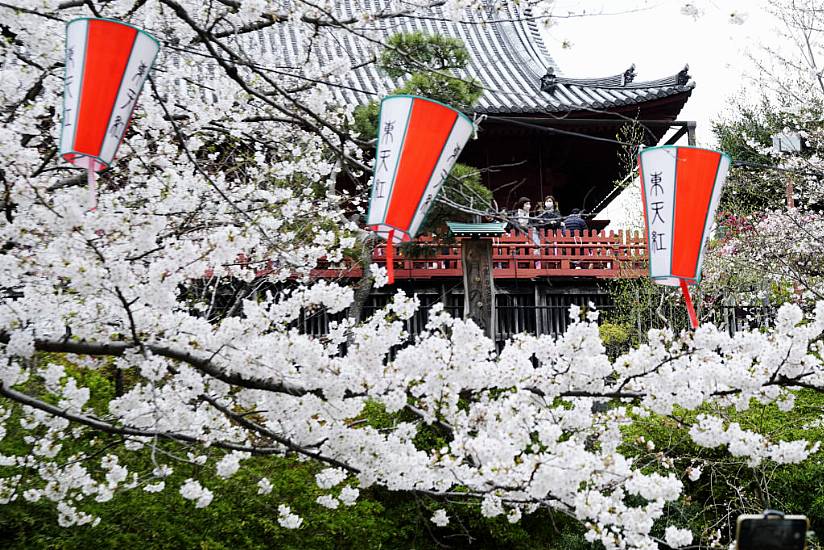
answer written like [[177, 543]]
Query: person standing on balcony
[[532, 223], [550, 216], [575, 222], [550, 219], [522, 213], [521, 219]]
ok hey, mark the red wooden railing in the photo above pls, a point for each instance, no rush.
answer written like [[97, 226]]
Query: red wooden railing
[[516, 256]]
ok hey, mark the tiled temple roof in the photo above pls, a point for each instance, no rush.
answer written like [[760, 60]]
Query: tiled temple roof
[[507, 56]]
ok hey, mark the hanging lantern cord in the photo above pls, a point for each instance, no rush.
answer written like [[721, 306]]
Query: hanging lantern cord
[[390, 257], [690, 309], [91, 177]]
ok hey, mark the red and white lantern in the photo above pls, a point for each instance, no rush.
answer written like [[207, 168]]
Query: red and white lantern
[[680, 188], [419, 141], [107, 63]]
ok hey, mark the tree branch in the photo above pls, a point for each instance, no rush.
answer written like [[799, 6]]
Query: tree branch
[[109, 428], [253, 426], [206, 366]]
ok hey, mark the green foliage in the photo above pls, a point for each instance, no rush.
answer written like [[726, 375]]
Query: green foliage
[[640, 304], [453, 91], [615, 336], [736, 136], [751, 123], [612, 333], [416, 52], [729, 486], [746, 135], [239, 517], [425, 63], [366, 120]]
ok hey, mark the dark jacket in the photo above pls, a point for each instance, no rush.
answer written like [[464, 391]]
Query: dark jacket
[[575, 222], [550, 215]]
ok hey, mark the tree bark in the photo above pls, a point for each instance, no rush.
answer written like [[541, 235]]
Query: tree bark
[[363, 288]]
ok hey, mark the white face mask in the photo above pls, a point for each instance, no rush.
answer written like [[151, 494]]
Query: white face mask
[[549, 205]]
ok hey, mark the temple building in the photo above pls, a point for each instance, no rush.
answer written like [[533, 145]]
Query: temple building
[[534, 115], [540, 133]]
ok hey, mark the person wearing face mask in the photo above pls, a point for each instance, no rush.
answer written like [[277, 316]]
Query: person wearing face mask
[[550, 213], [549, 220]]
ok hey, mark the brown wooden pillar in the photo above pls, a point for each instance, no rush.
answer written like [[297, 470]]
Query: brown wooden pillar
[[479, 286]]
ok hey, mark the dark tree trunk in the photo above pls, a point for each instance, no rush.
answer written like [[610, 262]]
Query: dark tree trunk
[[364, 286]]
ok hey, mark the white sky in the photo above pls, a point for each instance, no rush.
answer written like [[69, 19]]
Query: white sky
[[655, 36]]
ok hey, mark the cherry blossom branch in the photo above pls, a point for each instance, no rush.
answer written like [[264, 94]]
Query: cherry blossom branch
[[201, 171], [232, 72], [206, 366], [109, 428], [244, 422]]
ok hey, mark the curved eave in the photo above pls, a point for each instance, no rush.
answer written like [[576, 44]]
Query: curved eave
[[597, 102]]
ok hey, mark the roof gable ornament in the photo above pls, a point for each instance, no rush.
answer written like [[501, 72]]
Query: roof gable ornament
[[629, 75], [683, 76], [549, 80]]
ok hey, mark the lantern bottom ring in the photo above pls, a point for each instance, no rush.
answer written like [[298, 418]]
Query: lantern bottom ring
[[83, 160], [674, 280]]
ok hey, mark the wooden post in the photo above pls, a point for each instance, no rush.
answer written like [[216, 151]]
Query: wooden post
[[479, 287]]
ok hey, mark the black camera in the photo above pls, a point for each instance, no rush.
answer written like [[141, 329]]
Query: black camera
[[771, 531]]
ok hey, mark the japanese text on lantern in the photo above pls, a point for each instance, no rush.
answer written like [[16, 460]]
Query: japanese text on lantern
[[75, 53], [382, 173], [658, 210], [658, 181], [133, 79], [391, 129], [385, 159]]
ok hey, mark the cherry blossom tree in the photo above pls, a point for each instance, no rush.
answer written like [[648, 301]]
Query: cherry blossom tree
[[773, 231], [229, 175]]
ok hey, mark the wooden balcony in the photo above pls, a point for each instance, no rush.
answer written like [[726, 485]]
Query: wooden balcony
[[591, 254]]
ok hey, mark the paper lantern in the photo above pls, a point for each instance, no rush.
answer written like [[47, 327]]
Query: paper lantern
[[680, 188], [107, 63], [419, 141]]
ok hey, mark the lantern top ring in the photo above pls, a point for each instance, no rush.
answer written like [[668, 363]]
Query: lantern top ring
[[442, 104], [117, 22], [722, 153]]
